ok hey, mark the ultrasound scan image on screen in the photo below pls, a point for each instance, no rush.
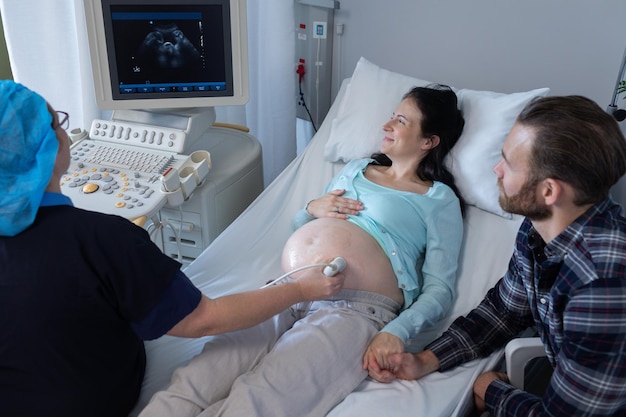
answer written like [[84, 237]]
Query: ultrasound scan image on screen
[[167, 47], [175, 50]]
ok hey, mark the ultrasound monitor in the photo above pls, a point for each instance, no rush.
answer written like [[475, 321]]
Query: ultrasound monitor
[[168, 54]]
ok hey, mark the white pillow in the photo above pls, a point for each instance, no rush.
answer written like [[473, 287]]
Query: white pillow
[[370, 100], [374, 93], [488, 117]]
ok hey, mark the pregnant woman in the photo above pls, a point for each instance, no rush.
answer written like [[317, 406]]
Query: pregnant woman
[[396, 219]]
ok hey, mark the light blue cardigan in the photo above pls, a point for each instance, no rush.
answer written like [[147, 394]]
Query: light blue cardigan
[[420, 233]]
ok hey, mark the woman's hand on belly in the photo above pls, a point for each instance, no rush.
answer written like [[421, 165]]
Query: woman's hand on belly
[[334, 206], [321, 240], [377, 354]]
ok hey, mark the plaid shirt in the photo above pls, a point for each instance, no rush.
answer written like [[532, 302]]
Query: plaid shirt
[[573, 289]]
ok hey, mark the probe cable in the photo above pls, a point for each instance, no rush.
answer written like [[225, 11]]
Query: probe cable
[[280, 278]]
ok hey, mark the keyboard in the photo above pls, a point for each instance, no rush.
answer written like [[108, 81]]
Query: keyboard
[[114, 156], [118, 179]]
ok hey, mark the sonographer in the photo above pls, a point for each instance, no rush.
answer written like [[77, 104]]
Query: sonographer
[[81, 290]]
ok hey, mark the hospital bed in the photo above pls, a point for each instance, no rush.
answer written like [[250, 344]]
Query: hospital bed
[[247, 253]]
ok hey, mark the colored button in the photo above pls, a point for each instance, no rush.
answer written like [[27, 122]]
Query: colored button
[[90, 188]]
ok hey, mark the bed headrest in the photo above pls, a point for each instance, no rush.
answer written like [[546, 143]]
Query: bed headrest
[[373, 94]]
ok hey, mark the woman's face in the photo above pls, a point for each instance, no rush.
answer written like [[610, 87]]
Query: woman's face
[[403, 132]]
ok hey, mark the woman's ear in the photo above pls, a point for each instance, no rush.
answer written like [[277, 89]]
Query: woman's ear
[[431, 142]]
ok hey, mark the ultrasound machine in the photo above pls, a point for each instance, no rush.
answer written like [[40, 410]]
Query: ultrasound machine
[[161, 160]]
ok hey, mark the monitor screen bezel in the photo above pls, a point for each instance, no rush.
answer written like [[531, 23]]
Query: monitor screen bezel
[[102, 60]]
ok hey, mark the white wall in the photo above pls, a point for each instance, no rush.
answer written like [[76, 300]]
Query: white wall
[[571, 46]]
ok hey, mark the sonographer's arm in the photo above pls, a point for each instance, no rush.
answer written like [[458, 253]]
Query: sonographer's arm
[[242, 310]]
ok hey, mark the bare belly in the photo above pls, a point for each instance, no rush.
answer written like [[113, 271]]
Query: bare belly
[[321, 240]]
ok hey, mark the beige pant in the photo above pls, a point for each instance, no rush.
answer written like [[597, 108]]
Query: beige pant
[[302, 362]]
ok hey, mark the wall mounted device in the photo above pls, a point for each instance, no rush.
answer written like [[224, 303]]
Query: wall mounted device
[[314, 51]]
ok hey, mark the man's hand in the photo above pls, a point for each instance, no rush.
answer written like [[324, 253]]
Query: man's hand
[[482, 383], [409, 366], [375, 359]]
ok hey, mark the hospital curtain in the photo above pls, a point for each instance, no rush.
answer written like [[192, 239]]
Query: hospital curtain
[[48, 52]]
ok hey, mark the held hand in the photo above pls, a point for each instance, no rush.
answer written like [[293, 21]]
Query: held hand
[[409, 366], [333, 205], [482, 383], [376, 358], [314, 285]]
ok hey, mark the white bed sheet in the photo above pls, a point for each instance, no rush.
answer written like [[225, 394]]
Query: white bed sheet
[[247, 254]]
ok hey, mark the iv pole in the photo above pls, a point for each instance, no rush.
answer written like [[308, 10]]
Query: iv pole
[[612, 109]]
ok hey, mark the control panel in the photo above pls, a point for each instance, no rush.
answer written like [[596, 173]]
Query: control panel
[[135, 164], [116, 178], [138, 134]]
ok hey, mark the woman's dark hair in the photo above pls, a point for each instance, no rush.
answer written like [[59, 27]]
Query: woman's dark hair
[[440, 116]]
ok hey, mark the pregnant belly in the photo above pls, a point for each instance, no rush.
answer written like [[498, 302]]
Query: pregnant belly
[[321, 240]]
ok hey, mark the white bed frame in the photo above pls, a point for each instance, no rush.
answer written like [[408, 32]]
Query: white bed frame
[[247, 254]]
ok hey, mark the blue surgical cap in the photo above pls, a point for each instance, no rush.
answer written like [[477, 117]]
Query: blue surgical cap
[[28, 149]]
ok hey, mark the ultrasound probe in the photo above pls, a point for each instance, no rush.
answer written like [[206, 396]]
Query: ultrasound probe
[[330, 269]]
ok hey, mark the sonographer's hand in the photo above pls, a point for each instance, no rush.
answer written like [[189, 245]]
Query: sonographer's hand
[[333, 205], [314, 285]]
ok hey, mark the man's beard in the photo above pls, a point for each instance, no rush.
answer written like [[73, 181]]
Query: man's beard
[[525, 202]]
